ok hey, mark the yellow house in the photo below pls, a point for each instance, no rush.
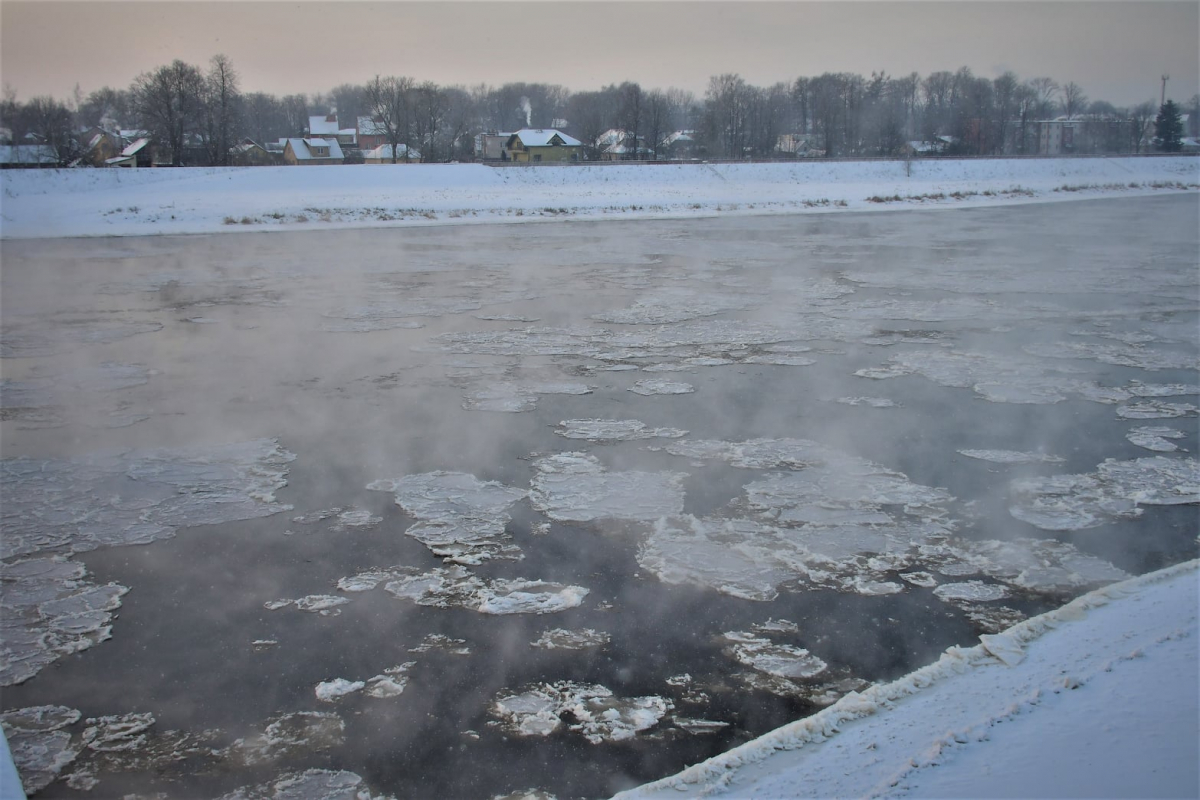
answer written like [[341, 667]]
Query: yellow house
[[541, 145], [312, 151]]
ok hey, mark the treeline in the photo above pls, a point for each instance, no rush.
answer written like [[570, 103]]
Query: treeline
[[203, 113]]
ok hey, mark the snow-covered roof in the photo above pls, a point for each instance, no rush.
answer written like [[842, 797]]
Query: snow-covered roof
[[28, 154], [678, 136], [541, 137], [322, 125], [610, 137], [301, 148], [384, 152], [133, 148]]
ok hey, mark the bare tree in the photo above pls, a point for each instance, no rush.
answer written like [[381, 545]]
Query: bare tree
[[169, 104], [630, 115], [51, 122], [222, 110], [726, 105], [1044, 90], [1074, 100], [389, 101], [1140, 117], [430, 105]]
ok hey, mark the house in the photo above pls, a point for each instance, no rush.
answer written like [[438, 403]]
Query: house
[[25, 156], [249, 153], [99, 146], [383, 155], [370, 133], [326, 127], [678, 145], [137, 154], [312, 152], [490, 146], [536, 145]]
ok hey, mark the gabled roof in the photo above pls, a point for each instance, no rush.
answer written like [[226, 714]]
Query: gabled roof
[[610, 137], [300, 147], [678, 136], [544, 137], [384, 152], [322, 125], [133, 148]]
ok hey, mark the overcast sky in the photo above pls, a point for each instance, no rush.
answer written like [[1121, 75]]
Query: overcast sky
[[1116, 51]]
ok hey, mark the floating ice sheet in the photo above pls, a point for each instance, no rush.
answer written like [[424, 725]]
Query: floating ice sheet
[[312, 784], [40, 748], [672, 304], [50, 609], [599, 715], [562, 639], [873, 402], [575, 487], [456, 587], [330, 691], [652, 386], [515, 397], [288, 735], [1116, 490], [973, 591], [613, 430], [1156, 409], [137, 496], [461, 518], [324, 604], [1012, 457], [1156, 438], [51, 337], [764, 655]]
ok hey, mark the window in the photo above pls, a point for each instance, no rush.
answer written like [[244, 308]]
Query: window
[[537, 157]]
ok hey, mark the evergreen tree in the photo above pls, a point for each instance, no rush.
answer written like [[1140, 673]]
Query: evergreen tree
[[1168, 128]]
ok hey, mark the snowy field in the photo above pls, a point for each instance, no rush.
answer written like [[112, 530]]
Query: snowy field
[[465, 511], [118, 202]]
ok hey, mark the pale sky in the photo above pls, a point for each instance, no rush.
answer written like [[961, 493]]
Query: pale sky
[[1116, 50]]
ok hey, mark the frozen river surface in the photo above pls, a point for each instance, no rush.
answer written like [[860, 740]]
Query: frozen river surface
[[566, 507]]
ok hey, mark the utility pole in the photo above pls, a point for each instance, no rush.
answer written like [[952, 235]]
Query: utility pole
[[1163, 98]]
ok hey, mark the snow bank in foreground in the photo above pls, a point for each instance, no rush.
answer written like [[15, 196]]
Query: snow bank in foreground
[[115, 202], [1097, 698]]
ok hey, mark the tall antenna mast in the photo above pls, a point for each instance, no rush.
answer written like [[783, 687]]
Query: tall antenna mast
[[1163, 98]]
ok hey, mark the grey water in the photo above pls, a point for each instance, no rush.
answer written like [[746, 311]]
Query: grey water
[[212, 425]]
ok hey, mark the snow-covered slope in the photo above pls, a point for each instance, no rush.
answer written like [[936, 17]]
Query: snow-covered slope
[[116, 202], [1096, 699]]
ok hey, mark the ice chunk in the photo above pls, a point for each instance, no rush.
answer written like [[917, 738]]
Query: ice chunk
[[1012, 457], [312, 784], [972, 591], [137, 496], [782, 660], [613, 430], [873, 402], [652, 386], [561, 639], [1155, 438], [456, 587], [598, 715], [462, 518], [329, 691], [121, 733], [40, 748], [439, 641], [50, 610], [324, 604], [1116, 489], [1156, 409], [291, 734], [574, 487]]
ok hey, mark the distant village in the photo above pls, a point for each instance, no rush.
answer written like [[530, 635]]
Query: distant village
[[184, 117]]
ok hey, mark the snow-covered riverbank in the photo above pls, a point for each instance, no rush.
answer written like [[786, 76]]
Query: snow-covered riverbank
[[1095, 699], [56, 203]]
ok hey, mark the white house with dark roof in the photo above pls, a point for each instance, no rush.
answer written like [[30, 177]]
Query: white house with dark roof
[[312, 151], [533, 145]]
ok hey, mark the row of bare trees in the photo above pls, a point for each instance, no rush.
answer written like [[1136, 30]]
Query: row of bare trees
[[198, 115]]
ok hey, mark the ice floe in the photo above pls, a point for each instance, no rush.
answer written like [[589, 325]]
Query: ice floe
[[50, 609], [873, 402], [324, 604], [460, 518], [1156, 409], [1117, 489], [975, 591], [562, 639], [515, 397], [329, 691], [312, 784], [1012, 457], [456, 587], [1155, 438], [764, 655], [575, 487], [137, 496], [52, 337], [40, 748], [597, 714], [653, 386], [613, 430], [439, 641], [291, 734]]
